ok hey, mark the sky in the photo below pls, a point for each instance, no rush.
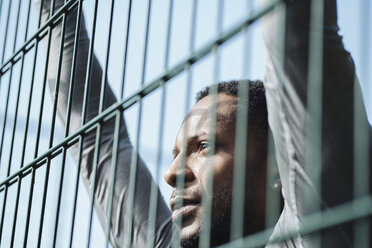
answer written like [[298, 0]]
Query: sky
[[177, 105]]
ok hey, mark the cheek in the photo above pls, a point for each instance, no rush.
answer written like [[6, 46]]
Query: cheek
[[222, 169]]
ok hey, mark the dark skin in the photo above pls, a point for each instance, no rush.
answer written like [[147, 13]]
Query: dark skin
[[198, 161]]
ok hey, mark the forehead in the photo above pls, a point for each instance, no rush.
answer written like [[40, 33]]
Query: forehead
[[199, 120]]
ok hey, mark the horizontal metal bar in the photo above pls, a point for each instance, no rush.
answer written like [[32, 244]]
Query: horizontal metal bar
[[39, 33], [124, 104]]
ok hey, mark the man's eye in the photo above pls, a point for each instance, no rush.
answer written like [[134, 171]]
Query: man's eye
[[203, 145]]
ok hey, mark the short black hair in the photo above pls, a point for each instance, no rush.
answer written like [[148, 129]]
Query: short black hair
[[257, 99], [257, 110]]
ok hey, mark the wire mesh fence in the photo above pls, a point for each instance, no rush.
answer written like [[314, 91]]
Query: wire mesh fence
[[93, 94]]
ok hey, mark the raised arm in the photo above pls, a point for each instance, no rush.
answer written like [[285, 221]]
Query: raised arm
[[310, 185], [102, 193]]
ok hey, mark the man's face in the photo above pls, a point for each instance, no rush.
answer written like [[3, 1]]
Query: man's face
[[197, 132]]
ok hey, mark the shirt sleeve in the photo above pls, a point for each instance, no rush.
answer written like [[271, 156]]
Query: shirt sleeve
[[120, 208], [310, 185]]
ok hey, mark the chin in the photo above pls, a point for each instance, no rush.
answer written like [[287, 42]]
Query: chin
[[191, 241], [189, 233], [192, 224]]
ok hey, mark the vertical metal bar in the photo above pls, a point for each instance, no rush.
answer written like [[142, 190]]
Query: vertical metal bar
[[52, 6], [132, 183], [69, 106], [14, 42], [126, 48], [32, 183], [28, 19], [41, 224], [89, 67], [68, 116], [6, 32], [19, 90], [84, 113], [16, 212], [94, 176], [12, 140], [56, 90], [361, 129], [241, 142], [104, 73], [192, 39], [180, 180], [43, 94], [40, 13], [10, 78], [73, 67], [207, 201], [3, 212], [1, 5], [237, 220], [146, 43], [59, 195], [32, 84], [273, 200], [314, 104], [29, 106], [31, 87], [313, 156], [6, 111], [16, 27], [15, 117], [85, 107], [53, 126], [134, 161], [154, 188], [115, 148], [17, 24], [154, 193], [361, 165], [76, 190], [169, 31]]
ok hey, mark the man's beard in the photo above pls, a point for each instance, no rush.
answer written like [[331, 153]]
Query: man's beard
[[191, 241], [220, 222]]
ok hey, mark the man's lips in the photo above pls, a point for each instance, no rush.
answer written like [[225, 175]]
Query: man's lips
[[183, 207], [184, 211]]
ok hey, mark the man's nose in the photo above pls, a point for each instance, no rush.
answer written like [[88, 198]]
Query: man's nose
[[179, 169]]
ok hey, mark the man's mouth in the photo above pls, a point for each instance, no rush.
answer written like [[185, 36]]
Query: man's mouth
[[183, 207]]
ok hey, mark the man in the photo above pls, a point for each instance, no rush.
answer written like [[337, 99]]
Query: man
[[286, 91], [198, 130]]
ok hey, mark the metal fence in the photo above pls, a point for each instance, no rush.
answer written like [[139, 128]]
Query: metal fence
[[154, 56]]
